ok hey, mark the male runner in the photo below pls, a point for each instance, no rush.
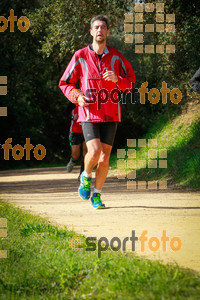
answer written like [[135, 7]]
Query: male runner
[[102, 72]]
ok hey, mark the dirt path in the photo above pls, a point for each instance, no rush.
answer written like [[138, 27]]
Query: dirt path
[[51, 192]]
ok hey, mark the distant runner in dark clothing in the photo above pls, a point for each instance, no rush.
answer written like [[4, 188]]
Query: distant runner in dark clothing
[[195, 81], [76, 138]]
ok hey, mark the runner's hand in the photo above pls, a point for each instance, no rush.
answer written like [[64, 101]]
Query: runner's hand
[[83, 101], [109, 75]]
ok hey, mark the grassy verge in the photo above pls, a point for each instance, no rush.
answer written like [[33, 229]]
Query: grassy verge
[[40, 265], [179, 135]]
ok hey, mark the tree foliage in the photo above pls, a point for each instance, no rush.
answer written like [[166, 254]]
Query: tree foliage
[[34, 61]]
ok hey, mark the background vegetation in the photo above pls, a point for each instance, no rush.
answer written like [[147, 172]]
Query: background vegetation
[[35, 60]]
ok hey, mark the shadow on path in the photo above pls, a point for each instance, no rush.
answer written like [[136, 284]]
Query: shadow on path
[[24, 183]]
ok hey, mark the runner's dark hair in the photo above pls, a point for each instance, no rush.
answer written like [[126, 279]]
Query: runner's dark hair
[[100, 18]]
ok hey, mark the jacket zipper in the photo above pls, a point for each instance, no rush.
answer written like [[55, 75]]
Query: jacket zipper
[[98, 64], [99, 67]]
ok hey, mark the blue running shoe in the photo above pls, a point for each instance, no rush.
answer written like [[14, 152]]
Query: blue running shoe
[[84, 187], [96, 201]]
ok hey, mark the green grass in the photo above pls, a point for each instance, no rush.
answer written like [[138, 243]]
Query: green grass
[[181, 139], [40, 265]]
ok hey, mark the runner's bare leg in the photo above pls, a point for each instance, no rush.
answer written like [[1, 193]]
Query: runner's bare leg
[[75, 151], [103, 166], [84, 149], [98, 153], [92, 155]]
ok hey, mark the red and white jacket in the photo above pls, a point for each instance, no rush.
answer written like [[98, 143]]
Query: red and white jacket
[[86, 68], [75, 126]]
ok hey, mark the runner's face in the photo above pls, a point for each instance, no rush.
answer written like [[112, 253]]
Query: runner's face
[[99, 31]]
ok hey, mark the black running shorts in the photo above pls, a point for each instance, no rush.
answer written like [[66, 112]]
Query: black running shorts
[[104, 131], [75, 138]]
